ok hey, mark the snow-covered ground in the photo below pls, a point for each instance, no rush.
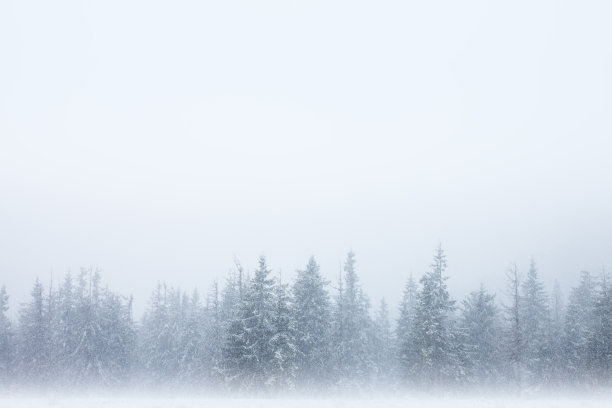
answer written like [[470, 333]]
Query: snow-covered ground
[[127, 402]]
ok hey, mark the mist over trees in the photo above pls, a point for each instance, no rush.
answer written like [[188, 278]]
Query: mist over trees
[[265, 334]]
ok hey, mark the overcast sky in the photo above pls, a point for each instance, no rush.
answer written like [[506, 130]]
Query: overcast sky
[[159, 140]]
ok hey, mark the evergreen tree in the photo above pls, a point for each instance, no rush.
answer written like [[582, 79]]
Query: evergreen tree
[[87, 352], [115, 339], [283, 342], [237, 362], [481, 328], [158, 337], [248, 354], [5, 338], [312, 317], [438, 356], [579, 323], [34, 339], [405, 324], [383, 351], [232, 295], [535, 326], [66, 334], [213, 336], [514, 329], [556, 335], [352, 329], [599, 343]]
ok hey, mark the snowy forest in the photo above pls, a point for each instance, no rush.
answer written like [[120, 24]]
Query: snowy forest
[[257, 332]]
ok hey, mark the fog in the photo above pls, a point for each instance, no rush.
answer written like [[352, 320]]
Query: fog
[[326, 403], [160, 141]]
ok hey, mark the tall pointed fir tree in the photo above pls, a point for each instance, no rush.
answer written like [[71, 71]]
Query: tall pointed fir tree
[[403, 331], [96, 325], [557, 318], [67, 335], [351, 333], [481, 327], [312, 316], [599, 343], [438, 355], [6, 351], [382, 348], [579, 322], [157, 338], [213, 336], [232, 295], [535, 326], [115, 340], [514, 329], [248, 353], [283, 342], [34, 338]]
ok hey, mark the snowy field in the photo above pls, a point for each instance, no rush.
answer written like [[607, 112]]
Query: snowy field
[[126, 402]]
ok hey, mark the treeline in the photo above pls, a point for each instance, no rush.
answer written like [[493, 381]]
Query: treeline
[[260, 333]]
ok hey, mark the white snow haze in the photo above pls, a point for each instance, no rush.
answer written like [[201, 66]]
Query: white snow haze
[[163, 141]]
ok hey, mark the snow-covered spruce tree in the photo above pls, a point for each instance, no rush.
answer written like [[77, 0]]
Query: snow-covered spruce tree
[[51, 306], [482, 330], [285, 351], [437, 349], [230, 305], [351, 331], [403, 331], [382, 348], [513, 331], [209, 333], [93, 333], [248, 353], [557, 319], [66, 336], [599, 343], [157, 337], [232, 295], [536, 322], [312, 316], [6, 352], [115, 340], [579, 322], [84, 355], [34, 339]]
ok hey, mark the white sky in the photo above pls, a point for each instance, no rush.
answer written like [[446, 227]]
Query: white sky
[[159, 140]]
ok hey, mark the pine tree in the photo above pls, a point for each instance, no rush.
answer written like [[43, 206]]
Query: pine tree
[[599, 342], [157, 337], [87, 352], [34, 341], [66, 335], [115, 339], [212, 336], [403, 331], [514, 329], [248, 354], [535, 326], [579, 323], [481, 328], [5, 338], [382, 348], [352, 329], [237, 361], [232, 295], [437, 355], [312, 316], [556, 334], [283, 342]]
